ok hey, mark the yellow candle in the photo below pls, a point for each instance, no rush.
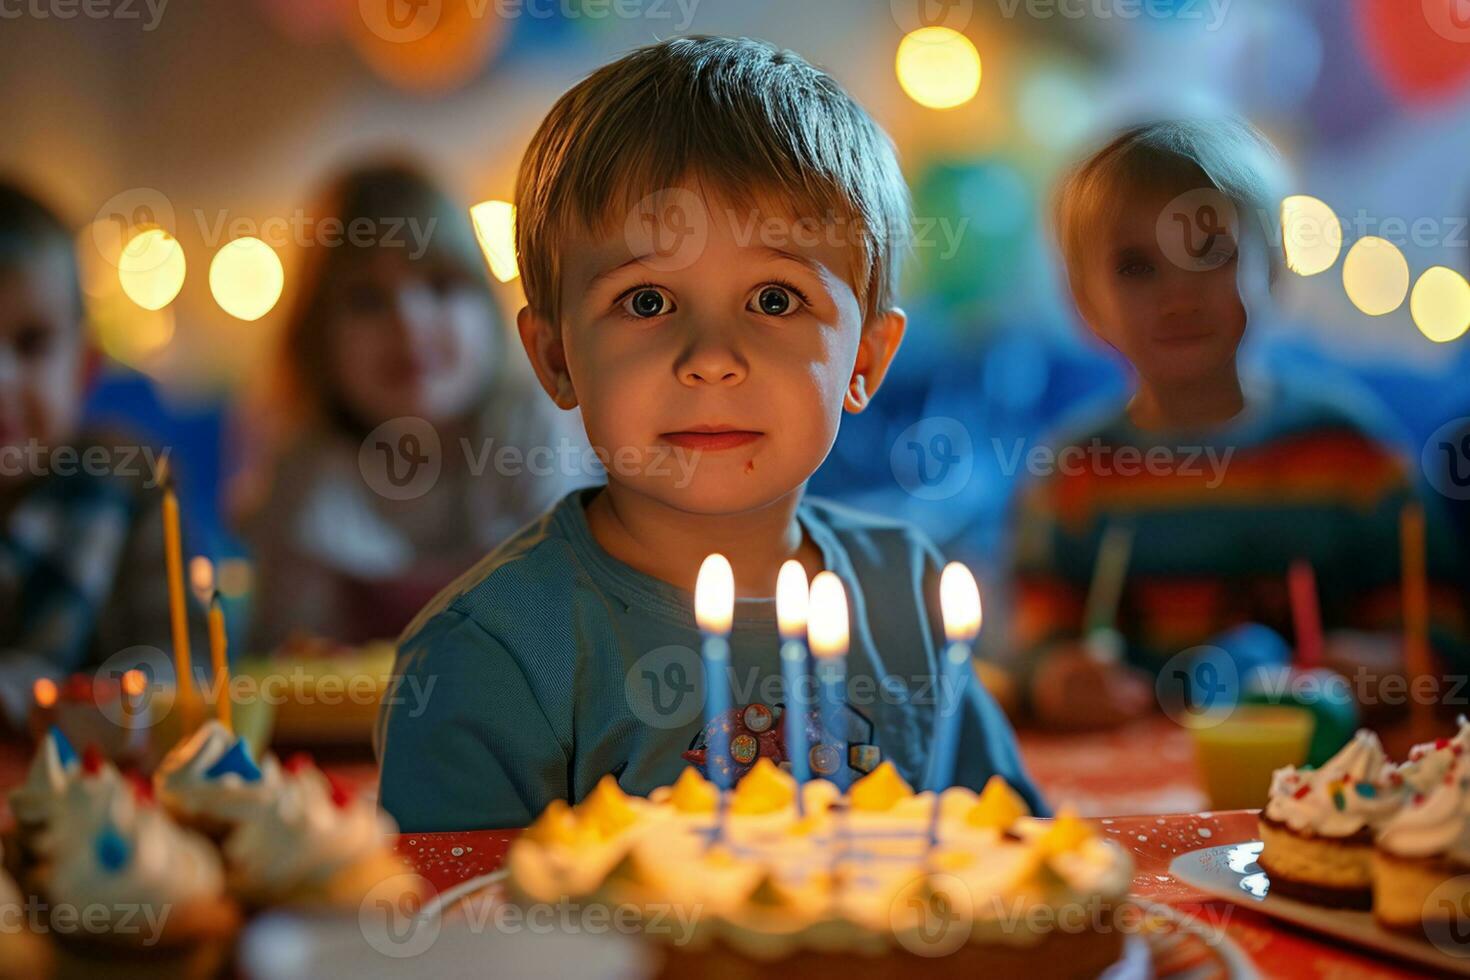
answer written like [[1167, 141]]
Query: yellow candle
[[218, 646], [178, 611]]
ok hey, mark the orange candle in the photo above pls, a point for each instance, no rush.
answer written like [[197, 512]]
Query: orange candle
[[178, 610], [1416, 611], [218, 648]]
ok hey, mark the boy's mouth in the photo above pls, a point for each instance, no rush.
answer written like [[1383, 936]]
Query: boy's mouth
[[711, 437]]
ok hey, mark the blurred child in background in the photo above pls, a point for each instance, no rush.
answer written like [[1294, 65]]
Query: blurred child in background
[[394, 323], [1220, 485], [81, 536]]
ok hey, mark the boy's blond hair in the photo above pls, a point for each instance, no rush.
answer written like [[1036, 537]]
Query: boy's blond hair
[[742, 118], [1227, 154]]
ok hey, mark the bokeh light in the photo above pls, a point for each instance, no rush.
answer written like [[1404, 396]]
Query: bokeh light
[[246, 278], [151, 268], [495, 227], [938, 67], [1375, 275], [1440, 304], [1311, 235]]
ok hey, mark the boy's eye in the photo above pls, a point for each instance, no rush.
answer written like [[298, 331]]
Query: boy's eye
[[1134, 268], [775, 299], [646, 302], [32, 343]]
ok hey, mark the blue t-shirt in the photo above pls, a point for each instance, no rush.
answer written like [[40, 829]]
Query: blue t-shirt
[[551, 664]]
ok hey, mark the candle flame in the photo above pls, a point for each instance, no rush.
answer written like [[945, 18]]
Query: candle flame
[[44, 691], [791, 600], [714, 594], [134, 682], [827, 629], [959, 600]]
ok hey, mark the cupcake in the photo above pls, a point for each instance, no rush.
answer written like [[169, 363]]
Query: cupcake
[[314, 847], [39, 798], [132, 894], [210, 783], [23, 953], [88, 786], [1318, 825], [1424, 851]]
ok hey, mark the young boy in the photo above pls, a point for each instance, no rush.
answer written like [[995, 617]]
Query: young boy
[[1220, 488], [708, 236], [81, 540]]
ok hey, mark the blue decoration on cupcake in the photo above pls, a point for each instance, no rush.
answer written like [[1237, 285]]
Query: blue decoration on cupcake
[[112, 851], [236, 761], [64, 750]]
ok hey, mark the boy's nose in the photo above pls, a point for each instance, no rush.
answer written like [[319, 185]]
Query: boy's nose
[[710, 361]]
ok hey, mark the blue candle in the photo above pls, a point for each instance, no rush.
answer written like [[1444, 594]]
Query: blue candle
[[828, 634], [791, 614], [714, 608], [959, 600]]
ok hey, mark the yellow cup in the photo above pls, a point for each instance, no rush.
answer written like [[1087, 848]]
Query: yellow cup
[[1238, 755]]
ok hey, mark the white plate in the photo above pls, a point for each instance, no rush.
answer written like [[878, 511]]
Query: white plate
[[1230, 872]]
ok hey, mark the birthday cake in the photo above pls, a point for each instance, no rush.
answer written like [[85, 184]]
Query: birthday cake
[[870, 882]]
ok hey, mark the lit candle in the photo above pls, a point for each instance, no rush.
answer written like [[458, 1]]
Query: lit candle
[[827, 633], [714, 608], [218, 650], [177, 607], [43, 713], [791, 603], [959, 601], [131, 687]]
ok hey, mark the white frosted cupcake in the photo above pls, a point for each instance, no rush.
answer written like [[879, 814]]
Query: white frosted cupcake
[[1318, 825], [143, 896], [1428, 762], [1424, 851], [210, 783], [314, 847]]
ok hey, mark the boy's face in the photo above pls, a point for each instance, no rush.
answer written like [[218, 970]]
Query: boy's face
[[711, 372], [42, 363], [1168, 303]]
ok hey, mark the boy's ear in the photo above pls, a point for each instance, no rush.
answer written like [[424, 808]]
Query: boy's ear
[[880, 342], [542, 341]]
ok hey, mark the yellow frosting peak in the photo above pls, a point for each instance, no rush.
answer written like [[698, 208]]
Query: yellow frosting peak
[[692, 793], [556, 825], [998, 807], [1066, 833], [606, 809], [879, 789], [765, 789]]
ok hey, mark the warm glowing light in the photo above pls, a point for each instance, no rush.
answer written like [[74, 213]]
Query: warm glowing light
[[938, 67], [134, 682], [246, 278], [714, 595], [235, 576], [495, 227], [1375, 275], [1440, 304], [791, 600], [959, 601], [1311, 235], [127, 333], [201, 576], [151, 268], [44, 691], [827, 631]]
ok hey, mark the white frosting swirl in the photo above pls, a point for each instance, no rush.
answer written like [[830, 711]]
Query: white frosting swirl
[[303, 837], [1351, 791], [1431, 823], [1429, 761], [123, 852], [182, 782], [35, 802]]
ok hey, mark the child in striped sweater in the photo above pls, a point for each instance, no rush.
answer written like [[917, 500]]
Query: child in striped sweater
[[1219, 486]]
